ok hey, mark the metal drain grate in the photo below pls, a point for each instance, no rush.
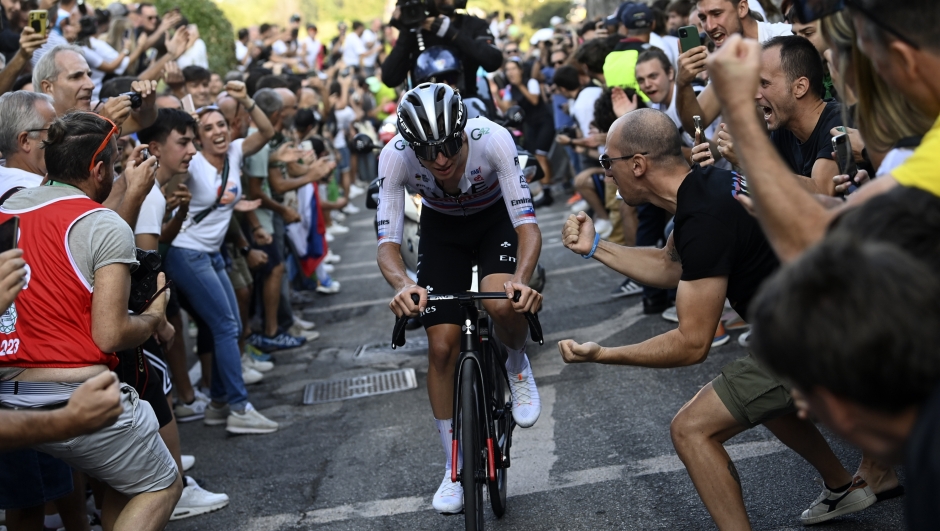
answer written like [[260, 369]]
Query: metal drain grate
[[359, 386]]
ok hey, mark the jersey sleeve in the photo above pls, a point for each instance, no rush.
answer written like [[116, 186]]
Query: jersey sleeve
[[503, 156], [390, 216]]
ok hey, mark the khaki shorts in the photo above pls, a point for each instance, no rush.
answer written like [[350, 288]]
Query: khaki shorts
[[129, 455], [239, 275], [751, 393]]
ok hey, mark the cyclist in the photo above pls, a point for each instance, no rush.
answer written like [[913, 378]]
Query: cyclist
[[462, 168]]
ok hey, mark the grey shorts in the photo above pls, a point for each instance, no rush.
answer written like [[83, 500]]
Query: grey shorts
[[239, 274], [751, 393], [129, 455]]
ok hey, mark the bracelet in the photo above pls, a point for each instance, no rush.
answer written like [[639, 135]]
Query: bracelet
[[253, 105], [597, 239]]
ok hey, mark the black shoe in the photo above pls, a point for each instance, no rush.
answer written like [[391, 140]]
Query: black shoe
[[655, 305], [545, 198]]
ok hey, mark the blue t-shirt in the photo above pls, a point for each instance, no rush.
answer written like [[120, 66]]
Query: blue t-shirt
[[562, 118]]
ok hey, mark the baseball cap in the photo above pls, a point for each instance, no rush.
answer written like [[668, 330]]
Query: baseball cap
[[636, 16], [614, 18], [295, 18], [118, 9], [556, 21]]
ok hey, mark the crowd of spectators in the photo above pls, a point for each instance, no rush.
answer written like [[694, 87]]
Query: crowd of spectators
[[224, 191]]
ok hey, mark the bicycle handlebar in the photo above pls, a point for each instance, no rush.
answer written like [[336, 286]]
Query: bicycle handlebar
[[535, 328]]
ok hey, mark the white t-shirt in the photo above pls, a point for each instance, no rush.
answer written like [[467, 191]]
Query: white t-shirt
[[582, 110], [767, 31], [150, 219], [352, 49], [312, 47], [532, 85], [15, 177], [670, 111], [196, 55], [368, 40], [344, 118], [279, 48], [94, 60], [109, 54], [204, 182], [669, 45], [893, 159]]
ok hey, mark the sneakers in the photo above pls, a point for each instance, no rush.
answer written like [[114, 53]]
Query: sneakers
[[526, 405], [355, 191], [196, 500], [350, 209], [329, 237], [280, 341], [831, 504], [337, 215], [329, 268], [744, 339], [656, 304], [603, 227], [260, 366], [721, 336], [332, 258], [573, 199], [194, 411], [579, 205], [671, 314], [256, 353], [188, 461], [329, 287], [336, 228], [251, 376], [216, 416], [449, 496], [249, 422], [628, 288], [306, 325]]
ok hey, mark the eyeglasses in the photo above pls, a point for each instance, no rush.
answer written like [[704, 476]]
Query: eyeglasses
[[104, 143], [606, 159], [809, 10], [511, 52], [448, 147], [558, 63], [152, 17]]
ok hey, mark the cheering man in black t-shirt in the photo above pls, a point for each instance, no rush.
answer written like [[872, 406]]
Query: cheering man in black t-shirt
[[716, 251]]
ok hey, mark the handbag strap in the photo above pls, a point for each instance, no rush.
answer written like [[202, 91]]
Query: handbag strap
[[201, 215]]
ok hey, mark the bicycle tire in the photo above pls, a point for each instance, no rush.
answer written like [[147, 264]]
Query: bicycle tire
[[503, 433], [470, 439]]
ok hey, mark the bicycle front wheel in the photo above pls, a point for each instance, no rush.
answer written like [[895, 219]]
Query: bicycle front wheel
[[502, 418], [471, 432]]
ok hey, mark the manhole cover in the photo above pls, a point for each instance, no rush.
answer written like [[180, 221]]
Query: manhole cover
[[378, 383], [412, 345]]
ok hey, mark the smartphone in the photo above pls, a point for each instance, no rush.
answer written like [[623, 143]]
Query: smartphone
[[188, 104], [844, 158], [145, 154], [689, 38], [9, 233], [739, 185], [38, 20], [698, 126]]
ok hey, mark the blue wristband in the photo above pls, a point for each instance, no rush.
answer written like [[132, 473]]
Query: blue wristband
[[597, 239]]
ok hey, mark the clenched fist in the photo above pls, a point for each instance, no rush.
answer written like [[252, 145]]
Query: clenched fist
[[572, 352], [578, 233]]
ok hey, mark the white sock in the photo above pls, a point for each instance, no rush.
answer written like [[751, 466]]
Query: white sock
[[445, 428], [517, 361]]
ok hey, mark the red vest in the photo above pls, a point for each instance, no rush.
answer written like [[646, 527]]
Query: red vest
[[49, 324]]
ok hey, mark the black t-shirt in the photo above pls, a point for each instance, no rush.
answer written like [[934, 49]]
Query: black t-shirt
[[716, 237], [801, 157], [922, 466]]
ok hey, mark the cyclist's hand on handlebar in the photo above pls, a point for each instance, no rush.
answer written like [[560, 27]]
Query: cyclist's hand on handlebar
[[578, 233], [530, 301], [572, 352], [402, 304]]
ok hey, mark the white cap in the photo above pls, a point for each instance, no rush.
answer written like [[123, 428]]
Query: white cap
[[544, 34], [556, 21]]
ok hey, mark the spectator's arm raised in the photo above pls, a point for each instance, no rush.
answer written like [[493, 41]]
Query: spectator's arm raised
[[30, 41], [691, 64], [256, 140]]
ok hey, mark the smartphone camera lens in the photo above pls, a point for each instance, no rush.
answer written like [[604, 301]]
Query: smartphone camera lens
[[683, 33]]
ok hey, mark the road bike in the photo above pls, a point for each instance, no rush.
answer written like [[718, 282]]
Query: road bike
[[482, 404]]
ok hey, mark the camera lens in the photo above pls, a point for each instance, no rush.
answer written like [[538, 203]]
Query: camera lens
[[683, 33]]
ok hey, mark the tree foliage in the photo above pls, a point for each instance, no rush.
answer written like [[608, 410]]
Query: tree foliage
[[543, 12], [214, 29]]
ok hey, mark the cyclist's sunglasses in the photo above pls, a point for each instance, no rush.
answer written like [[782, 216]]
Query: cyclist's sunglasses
[[104, 143], [448, 147], [606, 159], [809, 10]]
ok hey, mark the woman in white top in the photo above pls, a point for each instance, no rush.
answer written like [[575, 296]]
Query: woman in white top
[[194, 260]]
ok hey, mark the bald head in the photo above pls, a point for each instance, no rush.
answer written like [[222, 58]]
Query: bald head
[[647, 131]]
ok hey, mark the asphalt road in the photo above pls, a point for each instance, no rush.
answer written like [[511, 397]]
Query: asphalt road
[[600, 456]]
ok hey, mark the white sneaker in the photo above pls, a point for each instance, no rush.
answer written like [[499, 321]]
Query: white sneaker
[[251, 376], [336, 228], [603, 227], [526, 405], [350, 209], [309, 335], [579, 206], [188, 461], [337, 215], [216, 416], [306, 325], [332, 258], [744, 339], [355, 191], [329, 268], [329, 237], [449, 496], [190, 412], [329, 289], [671, 314], [196, 500], [260, 366], [249, 421], [830, 505]]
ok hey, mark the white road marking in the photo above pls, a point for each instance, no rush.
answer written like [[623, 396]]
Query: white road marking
[[550, 363]]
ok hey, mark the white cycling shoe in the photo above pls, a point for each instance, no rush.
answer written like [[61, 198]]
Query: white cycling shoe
[[449, 496], [526, 405]]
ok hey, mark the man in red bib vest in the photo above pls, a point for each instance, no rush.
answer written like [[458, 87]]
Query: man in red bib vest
[[71, 316]]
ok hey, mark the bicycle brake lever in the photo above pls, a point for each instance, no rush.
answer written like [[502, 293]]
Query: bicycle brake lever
[[398, 333], [535, 328]]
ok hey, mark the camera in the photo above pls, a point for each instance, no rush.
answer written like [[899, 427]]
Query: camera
[[412, 13], [144, 280], [136, 99], [569, 131]]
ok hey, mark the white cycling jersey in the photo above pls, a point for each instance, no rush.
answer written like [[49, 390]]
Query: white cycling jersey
[[492, 172]]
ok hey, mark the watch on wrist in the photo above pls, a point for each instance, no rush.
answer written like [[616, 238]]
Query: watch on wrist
[[245, 250]]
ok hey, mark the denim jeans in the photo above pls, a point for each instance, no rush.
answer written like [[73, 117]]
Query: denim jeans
[[202, 279]]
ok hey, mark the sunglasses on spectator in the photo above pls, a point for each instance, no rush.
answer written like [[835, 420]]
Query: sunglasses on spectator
[[104, 143], [514, 51], [208, 108], [428, 152], [606, 159], [152, 17], [810, 10]]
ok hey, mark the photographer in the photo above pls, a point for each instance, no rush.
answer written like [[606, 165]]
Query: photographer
[[468, 35], [63, 336]]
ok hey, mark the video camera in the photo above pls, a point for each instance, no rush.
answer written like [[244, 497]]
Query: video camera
[[412, 13]]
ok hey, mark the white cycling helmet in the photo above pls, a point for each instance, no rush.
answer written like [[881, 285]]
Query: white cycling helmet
[[431, 118]]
